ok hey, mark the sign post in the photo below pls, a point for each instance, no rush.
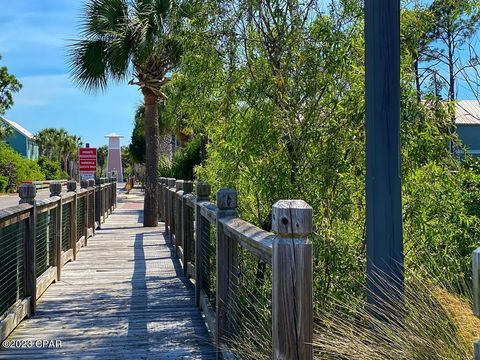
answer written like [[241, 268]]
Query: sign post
[[87, 162]]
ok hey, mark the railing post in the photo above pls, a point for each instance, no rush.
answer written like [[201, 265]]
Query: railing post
[[27, 193], [177, 213], [98, 201], [169, 207], [292, 296], [84, 185], [92, 204], [160, 199], [56, 190], [187, 231], [72, 187], [227, 204], [203, 194]]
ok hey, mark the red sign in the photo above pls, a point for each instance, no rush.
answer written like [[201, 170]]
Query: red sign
[[88, 160]]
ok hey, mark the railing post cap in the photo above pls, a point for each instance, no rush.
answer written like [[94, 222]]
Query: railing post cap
[[71, 185], [98, 181], [203, 189], [227, 199], [91, 182], [84, 184], [171, 182], [27, 193], [187, 186], [55, 188], [292, 218], [179, 185]]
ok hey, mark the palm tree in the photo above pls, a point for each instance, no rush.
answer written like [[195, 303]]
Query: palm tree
[[102, 154], [68, 146], [123, 39], [47, 140]]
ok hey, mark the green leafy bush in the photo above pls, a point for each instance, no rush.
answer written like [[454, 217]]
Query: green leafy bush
[[183, 163], [3, 183], [16, 168], [51, 169]]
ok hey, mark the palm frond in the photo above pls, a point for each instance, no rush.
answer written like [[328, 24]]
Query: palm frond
[[89, 67], [102, 18]]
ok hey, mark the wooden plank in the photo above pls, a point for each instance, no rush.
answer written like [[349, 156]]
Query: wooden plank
[[125, 297], [292, 288], [44, 280], [191, 200], [12, 317], [67, 256], [47, 204], [257, 241], [29, 277], [191, 270], [14, 214], [209, 210], [80, 243], [208, 312]]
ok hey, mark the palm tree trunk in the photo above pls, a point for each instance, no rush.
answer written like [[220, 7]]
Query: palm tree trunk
[[152, 158]]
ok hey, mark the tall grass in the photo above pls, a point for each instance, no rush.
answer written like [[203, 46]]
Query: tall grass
[[426, 322]]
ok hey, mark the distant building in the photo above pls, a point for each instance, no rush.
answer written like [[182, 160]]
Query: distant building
[[467, 121], [22, 141], [114, 159]]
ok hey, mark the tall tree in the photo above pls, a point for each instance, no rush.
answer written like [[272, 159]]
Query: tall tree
[[455, 22], [47, 142], [130, 39], [137, 144], [416, 33], [102, 154], [8, 86]]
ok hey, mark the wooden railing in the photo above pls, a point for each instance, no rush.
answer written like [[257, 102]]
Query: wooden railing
[[38, 237], [215, 248]]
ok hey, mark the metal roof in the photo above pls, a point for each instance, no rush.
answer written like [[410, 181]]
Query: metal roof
[[467, 112], [19, 128]]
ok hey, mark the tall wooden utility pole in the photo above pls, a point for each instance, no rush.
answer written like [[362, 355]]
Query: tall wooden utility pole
[[383, 182]]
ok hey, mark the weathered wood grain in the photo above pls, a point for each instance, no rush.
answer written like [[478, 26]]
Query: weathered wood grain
[[257, 241], [14, 214], [124, 298], [292, 290], [12, 317]]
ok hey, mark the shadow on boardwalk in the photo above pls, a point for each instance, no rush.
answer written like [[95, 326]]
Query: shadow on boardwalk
[[124, 298]]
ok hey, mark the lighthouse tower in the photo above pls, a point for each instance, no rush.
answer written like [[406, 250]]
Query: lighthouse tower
[[114, 162]]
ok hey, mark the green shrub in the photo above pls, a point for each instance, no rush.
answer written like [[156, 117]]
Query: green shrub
[[51, 169], [3, 183], [183, 163], [16, 168]]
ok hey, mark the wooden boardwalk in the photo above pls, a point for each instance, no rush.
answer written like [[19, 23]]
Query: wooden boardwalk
[[124, 298]]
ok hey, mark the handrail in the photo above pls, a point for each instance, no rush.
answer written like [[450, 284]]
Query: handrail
[[189, 221], [14, 214], [259, 242], [41, 244]]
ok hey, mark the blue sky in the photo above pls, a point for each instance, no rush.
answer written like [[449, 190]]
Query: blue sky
[[33, 39]]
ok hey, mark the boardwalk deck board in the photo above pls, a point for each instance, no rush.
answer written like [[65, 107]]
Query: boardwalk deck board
[[124, 298]]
